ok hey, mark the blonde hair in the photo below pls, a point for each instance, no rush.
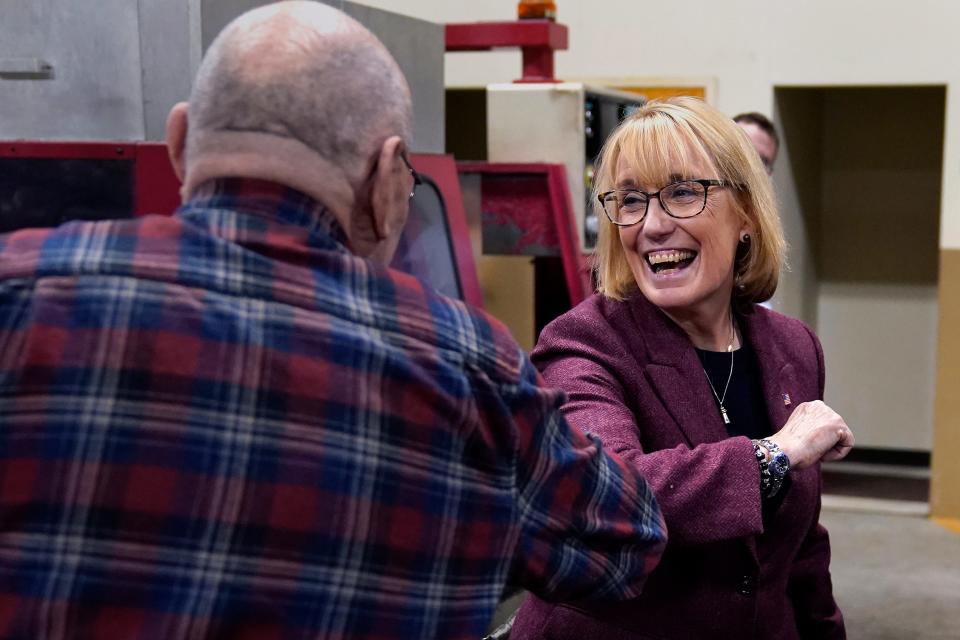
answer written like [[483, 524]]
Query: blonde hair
[[668, 137]]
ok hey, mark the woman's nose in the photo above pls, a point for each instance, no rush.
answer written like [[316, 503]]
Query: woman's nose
[[657, 223]]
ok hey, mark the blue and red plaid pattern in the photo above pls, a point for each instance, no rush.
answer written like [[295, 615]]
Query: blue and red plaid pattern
[[224, 424]]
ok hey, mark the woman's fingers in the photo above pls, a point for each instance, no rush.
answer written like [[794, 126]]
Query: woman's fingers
[[814, 432], [843, 445]]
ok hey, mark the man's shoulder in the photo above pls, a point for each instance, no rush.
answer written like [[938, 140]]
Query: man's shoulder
[[83, 246], [472, 337]]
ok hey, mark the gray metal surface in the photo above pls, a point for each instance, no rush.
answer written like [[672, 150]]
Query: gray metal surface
[[94, 91], [119, 65], [166, 61], [418, 47], [25, 68], [216, 14]]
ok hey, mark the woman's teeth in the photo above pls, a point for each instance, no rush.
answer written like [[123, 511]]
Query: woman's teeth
[[664, 260]]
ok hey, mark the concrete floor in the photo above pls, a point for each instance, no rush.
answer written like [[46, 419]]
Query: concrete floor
[[896, 577]]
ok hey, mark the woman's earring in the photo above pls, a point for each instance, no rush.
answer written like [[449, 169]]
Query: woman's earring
[[745, 238]]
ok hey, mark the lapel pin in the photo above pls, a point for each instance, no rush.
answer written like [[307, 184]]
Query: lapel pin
[[786, 399]]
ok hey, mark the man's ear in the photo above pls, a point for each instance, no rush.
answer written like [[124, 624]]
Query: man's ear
[[390, 191], [177, 138]]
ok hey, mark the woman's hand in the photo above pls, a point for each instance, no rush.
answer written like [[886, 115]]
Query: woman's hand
[[814, 432]]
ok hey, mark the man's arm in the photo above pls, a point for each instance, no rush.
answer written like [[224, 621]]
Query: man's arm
[[590, 526]]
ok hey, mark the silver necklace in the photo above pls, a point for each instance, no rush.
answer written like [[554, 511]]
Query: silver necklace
[[721, 398]]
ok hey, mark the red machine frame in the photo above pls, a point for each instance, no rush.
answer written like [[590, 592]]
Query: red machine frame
[[442, 169], [156, 188], [537, 39], [558, 232]]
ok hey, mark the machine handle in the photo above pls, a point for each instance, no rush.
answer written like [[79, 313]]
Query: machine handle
[[25, 69]]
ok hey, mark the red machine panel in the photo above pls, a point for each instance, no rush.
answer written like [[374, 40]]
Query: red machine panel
[[44, 184], [435, 245], [527, 211]]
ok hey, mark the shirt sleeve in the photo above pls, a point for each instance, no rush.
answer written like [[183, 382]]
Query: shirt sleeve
[[590, 526]]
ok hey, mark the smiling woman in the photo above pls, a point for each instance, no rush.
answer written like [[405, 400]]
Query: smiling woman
[[717, 400], [674, 142]]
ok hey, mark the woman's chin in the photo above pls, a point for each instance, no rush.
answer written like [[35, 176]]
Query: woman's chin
[[673, 299], [688, 301], [675, 291]]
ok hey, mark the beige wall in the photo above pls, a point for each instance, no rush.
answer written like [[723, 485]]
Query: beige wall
[[798, 179], [877, 255], [859, 181], [881, 166], [879, 342]]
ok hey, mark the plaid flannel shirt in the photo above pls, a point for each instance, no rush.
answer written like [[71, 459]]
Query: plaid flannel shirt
[[224, 424]]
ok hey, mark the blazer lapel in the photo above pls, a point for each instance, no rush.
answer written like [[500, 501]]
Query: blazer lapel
[[676, 375], [690, 405], [781, 389]]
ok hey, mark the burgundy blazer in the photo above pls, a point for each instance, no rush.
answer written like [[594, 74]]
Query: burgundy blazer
[[634, 379]]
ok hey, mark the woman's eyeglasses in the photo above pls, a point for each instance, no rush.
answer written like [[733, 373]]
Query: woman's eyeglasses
[[682, 199]]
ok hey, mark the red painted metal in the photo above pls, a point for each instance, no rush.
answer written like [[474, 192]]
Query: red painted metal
[[68, 150], [537, 65], [156, 187], [579, 280], [537, 39], [442, 169], [518, 215], [483, 36], [549, 224]]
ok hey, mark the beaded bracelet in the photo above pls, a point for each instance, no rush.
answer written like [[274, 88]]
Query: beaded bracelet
[[765, 480], [772, 471], [779, 465]]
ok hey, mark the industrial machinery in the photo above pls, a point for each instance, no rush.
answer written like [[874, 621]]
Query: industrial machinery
[[527, 150]]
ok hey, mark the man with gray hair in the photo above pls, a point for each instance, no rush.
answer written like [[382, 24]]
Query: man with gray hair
[[237, 422]]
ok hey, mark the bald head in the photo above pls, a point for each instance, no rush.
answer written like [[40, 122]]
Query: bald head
[[298, 73]]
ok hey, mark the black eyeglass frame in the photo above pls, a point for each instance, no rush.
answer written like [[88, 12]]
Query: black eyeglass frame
[[417, 180], [705, 183]]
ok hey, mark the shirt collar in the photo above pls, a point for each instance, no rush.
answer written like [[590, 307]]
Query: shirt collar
[[241, 206]]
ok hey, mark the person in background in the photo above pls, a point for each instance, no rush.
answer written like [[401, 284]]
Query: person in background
[[237, 422], [763, 135], [716, 400]]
